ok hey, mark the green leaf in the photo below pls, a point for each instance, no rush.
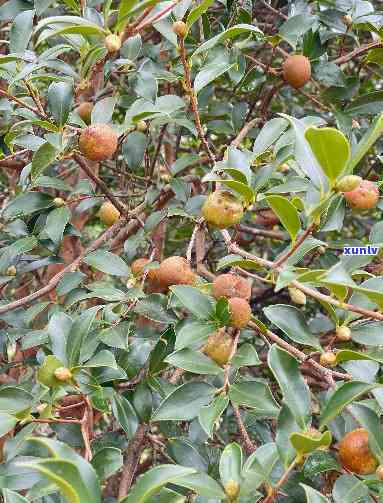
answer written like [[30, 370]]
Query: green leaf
[[74, 476], [12, 497], [331, 148], [60, 97], [256, 395], [107, 262], [202, 484], [245, 356], [237, 261], [230, 464], [197, 12], [269, 134], [343, 396], [193, 334], [296, 393], [199, 304], [133, 149], [209, 414], [103, 111], [124, 412], [152, 481], [228, 34], [313, 496], [14, 400], [210, 72], [193, 361], [305, 443], [42, 158], [56, 223], [372, 134], [349, 489], [185, 402], [21, 31], [77, 335], [107, 461], [7, 423], [25, 204], [287, 214], [163, 348], [292, 322]]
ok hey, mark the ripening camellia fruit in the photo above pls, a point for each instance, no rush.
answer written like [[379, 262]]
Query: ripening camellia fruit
[[355, 454], [328, 359], [297, 70], [141, 126], [219, 347], [11, 271], [84, 110], [63, 374], [240, 312], [175, 271], [137, 268], [98, 142], [343, 333], [58, 202], [364, 197], [108, 213], [112, 43], [222, 209], [379, 472], [231, 285], [348, 183], [180, 29]]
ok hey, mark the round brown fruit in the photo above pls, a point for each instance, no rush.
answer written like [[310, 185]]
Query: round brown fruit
[[240, 312], [355, 453], [112, 43], [180, 29], [98, 142], [222, 209], [364, 197], [328, 359], [231, 285], [84, 110], [297, 70], [108, 213], [219, 347], [175, 271]]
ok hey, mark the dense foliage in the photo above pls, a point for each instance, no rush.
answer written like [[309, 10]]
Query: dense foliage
[[184, 315]]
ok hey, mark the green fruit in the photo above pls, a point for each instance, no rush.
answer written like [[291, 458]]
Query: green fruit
[[222, 209], [348, 183], [46, 373]]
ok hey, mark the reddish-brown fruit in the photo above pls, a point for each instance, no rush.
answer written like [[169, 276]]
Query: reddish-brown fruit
[[108, 213], [98, 142], [222, 209], [355, 453], [175, 271], [180, 29], [328, 359], [219, 346], [112, 43], [240, 312], [84, 110], [297, 70], [231, 285], [364, 197]]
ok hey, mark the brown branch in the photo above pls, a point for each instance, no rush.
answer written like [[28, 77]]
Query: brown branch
[[100, 183], [194, 101], [282, 259], [357, 52], [262, 232], [244, 131], [247, 442], [133, 455]]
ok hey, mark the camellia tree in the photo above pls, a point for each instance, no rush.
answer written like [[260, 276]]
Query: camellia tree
[[191, 294]]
